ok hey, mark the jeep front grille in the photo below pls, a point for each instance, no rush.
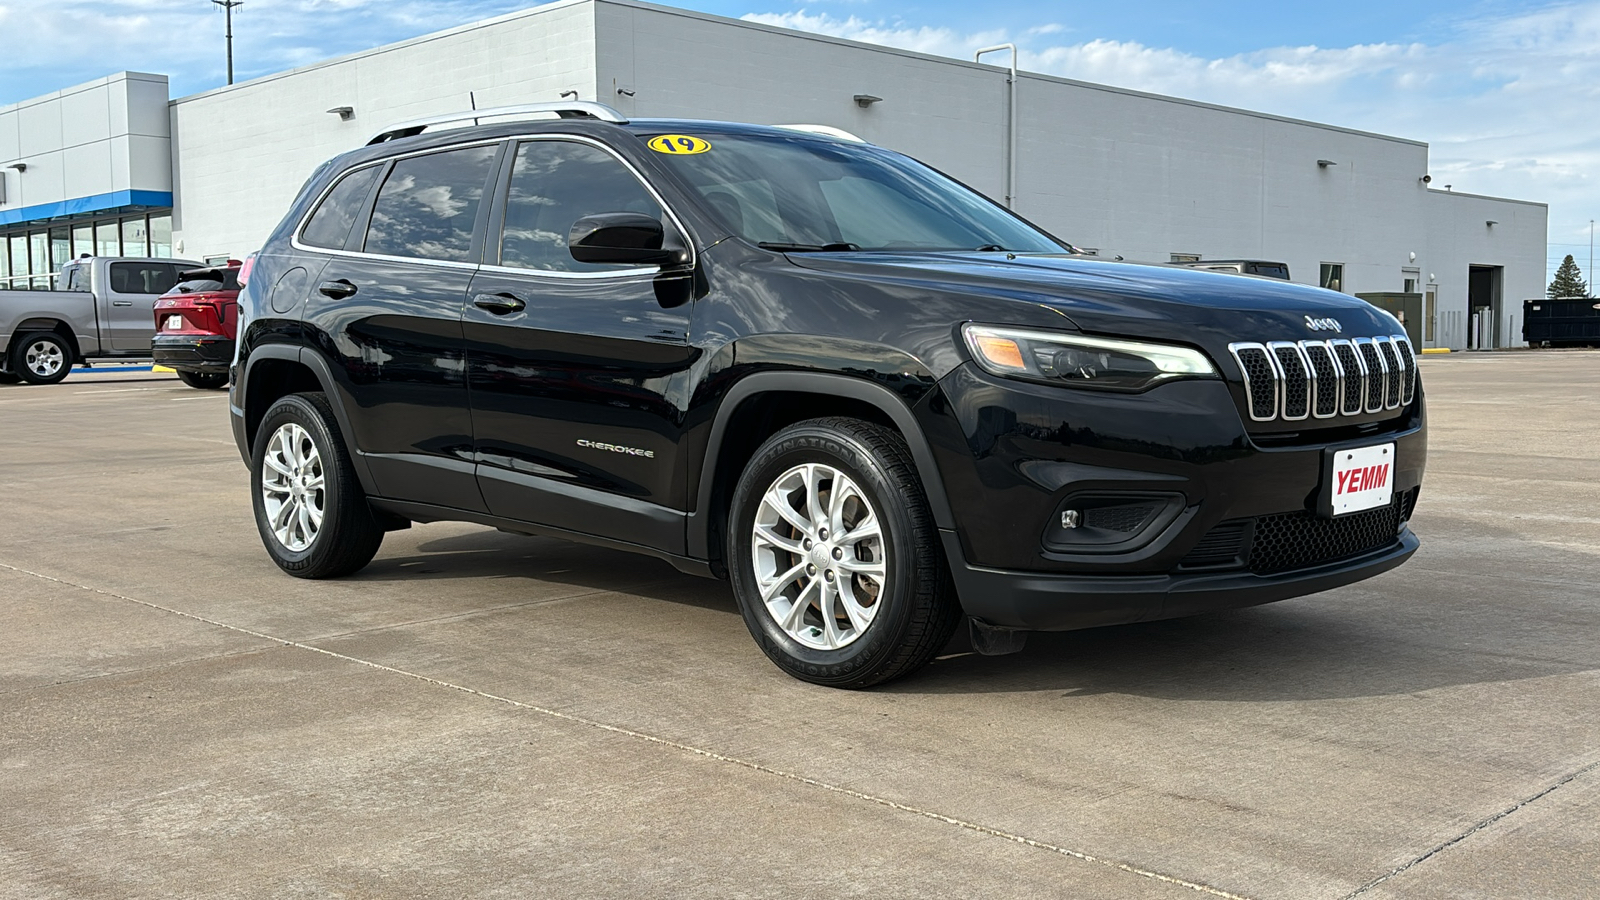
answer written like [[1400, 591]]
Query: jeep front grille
[[1323, 379]]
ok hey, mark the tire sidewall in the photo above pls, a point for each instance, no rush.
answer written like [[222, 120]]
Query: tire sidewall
[[821, 444], [300, 411], [19, 357]]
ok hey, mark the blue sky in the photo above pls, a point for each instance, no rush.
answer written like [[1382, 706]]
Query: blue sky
[[1506, 93]]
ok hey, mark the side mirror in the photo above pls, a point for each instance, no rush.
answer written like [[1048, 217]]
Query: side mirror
[[622, 237]]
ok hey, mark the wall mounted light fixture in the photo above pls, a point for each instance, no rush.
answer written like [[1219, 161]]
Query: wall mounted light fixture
[[569, 95], [1324, 163], [19, 166], [866, 100], [1490, 223], [345, 113]]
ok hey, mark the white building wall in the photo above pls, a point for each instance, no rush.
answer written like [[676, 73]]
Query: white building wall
[[1129, 174], [97, 138], [1460, 237], [241, 153]]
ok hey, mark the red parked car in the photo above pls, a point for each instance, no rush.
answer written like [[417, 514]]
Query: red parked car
[[195, 325]]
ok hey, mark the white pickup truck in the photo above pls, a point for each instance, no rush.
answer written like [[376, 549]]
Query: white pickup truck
[[102, 309]]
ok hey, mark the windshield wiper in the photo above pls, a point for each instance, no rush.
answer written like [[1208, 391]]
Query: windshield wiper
[[988, 247], [807, 248]]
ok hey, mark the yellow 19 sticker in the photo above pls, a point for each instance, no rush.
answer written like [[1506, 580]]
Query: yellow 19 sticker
[[680, 144]]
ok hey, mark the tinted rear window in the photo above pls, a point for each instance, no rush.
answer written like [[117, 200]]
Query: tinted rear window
[[330, 225], [428, 205], [199, 280], [142, 278]]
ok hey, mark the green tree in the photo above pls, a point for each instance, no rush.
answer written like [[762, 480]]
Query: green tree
[[1568, 281]]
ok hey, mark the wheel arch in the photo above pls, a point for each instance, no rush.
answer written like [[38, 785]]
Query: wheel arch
[[275, 371], [59, 327], [759, 405]]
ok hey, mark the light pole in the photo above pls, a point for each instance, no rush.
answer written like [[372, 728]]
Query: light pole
[[227, 8]]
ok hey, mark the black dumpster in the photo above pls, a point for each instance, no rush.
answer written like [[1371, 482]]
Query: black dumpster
[[1567, 322]]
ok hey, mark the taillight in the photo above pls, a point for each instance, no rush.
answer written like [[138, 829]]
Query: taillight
[[245, 269]]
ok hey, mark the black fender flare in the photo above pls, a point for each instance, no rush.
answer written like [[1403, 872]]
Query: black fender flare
[[323, 372], [887, 401]]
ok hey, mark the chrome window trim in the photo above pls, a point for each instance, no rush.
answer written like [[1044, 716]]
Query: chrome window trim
[[1283, 378], [632, 272], [1244, 372], [1338, 378]]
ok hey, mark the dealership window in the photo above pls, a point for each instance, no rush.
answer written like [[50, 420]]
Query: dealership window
[[107, 240], [135, 236], [161, 236], [39, 260], [1332, 276], [428, 205], [5, 265], [82, 240], [60, 247]]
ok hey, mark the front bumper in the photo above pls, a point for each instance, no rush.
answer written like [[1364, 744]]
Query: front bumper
[[1040, 601], [1239, 521], [207, 353]]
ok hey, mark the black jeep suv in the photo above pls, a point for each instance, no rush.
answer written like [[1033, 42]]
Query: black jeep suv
[[872, 398]]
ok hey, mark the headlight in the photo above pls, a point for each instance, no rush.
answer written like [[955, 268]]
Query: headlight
[[1082, 361]]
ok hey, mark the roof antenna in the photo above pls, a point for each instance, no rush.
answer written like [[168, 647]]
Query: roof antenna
[[472, 98]]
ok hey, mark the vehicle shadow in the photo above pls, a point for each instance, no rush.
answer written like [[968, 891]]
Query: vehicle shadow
[[1408, 631], [485, 553]]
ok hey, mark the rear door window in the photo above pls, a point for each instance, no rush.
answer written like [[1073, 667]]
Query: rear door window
[[329, 226], [428, 205], [142, 278]]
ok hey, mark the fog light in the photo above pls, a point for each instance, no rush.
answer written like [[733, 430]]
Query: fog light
[[1071, 518]]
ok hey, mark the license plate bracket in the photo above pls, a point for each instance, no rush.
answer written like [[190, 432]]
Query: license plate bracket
[[1356, 479]]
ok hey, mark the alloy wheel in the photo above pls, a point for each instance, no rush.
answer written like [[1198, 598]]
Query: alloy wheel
[[820, 559], [293, 487], [44, 358]]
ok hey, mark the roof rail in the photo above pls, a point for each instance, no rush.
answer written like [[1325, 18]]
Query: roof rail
[[568, 109], [826, 130]]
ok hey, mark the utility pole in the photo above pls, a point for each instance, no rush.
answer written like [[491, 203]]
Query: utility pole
[[227, 7]]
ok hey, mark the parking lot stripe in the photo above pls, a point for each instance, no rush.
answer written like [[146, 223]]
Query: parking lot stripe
[[676, 745]]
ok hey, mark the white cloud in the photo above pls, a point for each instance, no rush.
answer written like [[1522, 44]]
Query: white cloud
[[1502, 99]]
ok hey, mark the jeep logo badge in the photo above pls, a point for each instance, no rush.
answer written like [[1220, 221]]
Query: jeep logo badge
[[1328, 324]]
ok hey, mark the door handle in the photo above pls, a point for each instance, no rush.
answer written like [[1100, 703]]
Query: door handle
[[122, 303], [501, 304], [338, 290]]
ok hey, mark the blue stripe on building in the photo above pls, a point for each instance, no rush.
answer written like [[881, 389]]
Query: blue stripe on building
[[79, 206]]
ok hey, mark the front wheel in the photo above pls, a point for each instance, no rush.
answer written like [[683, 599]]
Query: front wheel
[[206, 381], [834, 556], [309, 506], [42, 358]]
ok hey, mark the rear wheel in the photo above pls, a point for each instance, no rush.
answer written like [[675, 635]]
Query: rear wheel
[[209, 381], [309, 506], [834, 556], [41, 358]]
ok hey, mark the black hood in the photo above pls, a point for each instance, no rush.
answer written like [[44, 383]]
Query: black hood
[[1125, 299]]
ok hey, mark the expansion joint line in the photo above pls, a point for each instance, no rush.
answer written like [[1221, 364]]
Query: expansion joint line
[[1480, 825], [667, 742]]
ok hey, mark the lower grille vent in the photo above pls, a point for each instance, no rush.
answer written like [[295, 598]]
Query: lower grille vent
[[1300, 540]]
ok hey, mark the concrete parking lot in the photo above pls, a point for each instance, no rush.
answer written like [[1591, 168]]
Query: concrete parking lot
[[484, 715]]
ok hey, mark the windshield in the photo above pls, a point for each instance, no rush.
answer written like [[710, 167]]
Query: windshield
[[803, 193]]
